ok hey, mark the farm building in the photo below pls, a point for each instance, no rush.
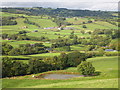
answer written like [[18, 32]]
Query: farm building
[[49, 49], [69, 28], [32, 44], [24, 27], [50, 28], [110, 50], [35, 31], [7, 39]]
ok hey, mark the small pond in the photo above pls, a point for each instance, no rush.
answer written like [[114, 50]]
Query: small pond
[[61, 76]]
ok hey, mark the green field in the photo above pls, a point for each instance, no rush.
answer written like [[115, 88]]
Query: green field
[[95, 25], [43, 22], [106, 66], [78, 21], [108, 78], [45, 55], [13, 29]]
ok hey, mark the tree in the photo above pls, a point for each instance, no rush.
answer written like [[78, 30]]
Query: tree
[[55, 63], [14, 52], [82, 31], [86, 68], [90, 47], [4, 36], [116, 34], [6, 48], [72, 35], [13, 68], [108, 32], [6, 67], [37, 66], [89, 21], [19, 68], [75, 58], [83, 22], [63, 59], [84, 26]]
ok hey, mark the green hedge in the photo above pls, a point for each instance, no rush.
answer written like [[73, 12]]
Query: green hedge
[[112, 53]]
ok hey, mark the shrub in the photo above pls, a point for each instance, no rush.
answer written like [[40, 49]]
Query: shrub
[[93, 54], [112, 53], [65, 48], [37, 66], [75, 58], [13, 68], [86, 68], [84, 26], [6, 48]]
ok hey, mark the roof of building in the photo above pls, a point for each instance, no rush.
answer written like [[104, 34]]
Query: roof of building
[[109, 50]]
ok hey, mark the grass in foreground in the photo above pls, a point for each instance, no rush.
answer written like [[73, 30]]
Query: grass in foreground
[[107, 79]]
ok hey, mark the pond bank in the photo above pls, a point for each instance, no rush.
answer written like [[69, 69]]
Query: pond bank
[[59, 75]]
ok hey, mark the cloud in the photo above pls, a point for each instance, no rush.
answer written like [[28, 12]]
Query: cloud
[[60, 1], [111, 6], [105, 6]]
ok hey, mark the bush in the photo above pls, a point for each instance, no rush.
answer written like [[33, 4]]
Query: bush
[[13, 68], [93, 54], [65, 48], [112, 53], [84, 26], [86, 68], [6, 48], [75, 58], [37, 66]]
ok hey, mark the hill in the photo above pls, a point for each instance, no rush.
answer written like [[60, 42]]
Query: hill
[[62, 12]]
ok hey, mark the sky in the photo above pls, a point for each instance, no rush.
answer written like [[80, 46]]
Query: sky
[[104, 5]]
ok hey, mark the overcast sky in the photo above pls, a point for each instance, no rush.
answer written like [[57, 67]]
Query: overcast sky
[[109, 5]]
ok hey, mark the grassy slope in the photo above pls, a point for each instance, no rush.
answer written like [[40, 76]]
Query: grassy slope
[[45, 55], [108, 65], [107, 79], [78, 21], [11, 29], [43, 22], [96, 25]]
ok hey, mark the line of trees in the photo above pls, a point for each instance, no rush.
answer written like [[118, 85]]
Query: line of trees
[[15, 68], [7, 21], [23, 49], [30, 22], [22, 36], [60, 21]]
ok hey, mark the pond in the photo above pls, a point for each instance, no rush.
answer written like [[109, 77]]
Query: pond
[[61, 76]]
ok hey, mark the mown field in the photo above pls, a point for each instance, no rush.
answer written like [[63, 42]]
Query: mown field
[[108, 78]]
